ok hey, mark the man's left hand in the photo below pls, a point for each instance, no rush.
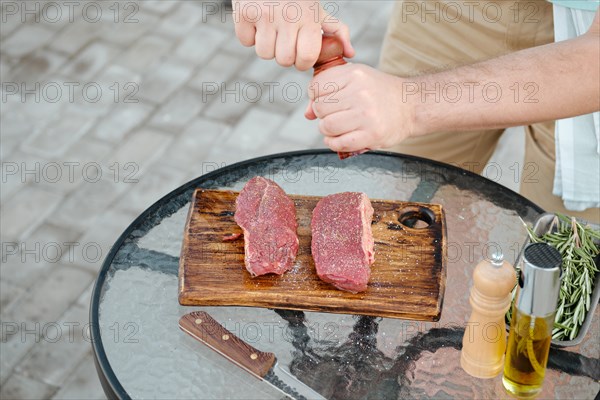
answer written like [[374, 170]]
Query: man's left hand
[[359, 108]]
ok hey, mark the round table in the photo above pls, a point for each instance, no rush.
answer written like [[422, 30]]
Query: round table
[[140, 351]]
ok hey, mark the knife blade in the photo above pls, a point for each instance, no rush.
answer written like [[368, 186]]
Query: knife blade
[[263, 365]]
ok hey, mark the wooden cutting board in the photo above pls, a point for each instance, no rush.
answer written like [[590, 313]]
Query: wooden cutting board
[[407, 279]]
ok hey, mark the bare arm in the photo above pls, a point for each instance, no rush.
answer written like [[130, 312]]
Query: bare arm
[[543, 83], [366, 108]]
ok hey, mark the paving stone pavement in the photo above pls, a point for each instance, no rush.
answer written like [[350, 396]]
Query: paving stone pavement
[[107, 106]]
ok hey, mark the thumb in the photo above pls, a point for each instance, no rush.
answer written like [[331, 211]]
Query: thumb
[[334, 26], [308, 112]]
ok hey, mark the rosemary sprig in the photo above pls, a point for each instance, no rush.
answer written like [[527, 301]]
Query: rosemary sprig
[[575, 242]]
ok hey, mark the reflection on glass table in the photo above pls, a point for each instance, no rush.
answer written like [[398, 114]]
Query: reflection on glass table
[[141, 352]]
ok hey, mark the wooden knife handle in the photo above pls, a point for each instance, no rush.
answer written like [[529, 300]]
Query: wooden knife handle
[[332, 54], [207, 330]]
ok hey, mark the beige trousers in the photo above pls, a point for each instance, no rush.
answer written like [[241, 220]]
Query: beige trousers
[[431, 35]]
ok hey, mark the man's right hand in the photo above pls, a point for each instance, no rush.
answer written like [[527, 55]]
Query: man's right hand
[[287, 30]]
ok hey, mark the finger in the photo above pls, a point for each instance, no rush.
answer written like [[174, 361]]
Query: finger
[[330, 81], [308, 112], [308, 47], [244, 29], [265, 42], [285, 48], [338, 123], [349, 142], [245, 33], [325, 106], [336, 27]]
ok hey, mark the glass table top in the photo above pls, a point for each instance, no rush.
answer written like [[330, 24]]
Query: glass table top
[[142, 353]]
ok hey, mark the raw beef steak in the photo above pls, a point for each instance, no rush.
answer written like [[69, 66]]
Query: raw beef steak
[[342, 241], [268, 217]]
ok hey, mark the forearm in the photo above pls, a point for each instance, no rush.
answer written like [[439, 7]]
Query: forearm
[[549, 82]]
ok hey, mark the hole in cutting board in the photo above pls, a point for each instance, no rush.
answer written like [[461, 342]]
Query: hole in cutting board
[[416, 217]]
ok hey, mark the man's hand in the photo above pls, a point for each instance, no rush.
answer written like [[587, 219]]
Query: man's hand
[[287, 30], [359, 108]]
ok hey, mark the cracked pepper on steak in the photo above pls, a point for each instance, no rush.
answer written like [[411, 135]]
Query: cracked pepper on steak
[[268, 218], [342, 240]]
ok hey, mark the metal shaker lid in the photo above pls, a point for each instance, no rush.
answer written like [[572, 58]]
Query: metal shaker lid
[[539, 283]]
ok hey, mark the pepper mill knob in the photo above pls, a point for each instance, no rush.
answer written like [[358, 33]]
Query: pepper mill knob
[[484, 341], [494, 278], [332, 54]]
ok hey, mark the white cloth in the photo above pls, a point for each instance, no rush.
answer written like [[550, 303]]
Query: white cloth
[[577, 174]]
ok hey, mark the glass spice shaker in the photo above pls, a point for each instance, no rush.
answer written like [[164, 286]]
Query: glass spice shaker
[[532, 320]]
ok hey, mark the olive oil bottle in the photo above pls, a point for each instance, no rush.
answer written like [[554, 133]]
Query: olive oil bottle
[[527, 354], [532, 321]]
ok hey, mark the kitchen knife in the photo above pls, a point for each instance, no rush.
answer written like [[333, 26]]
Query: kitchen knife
[[263, 365], [332, 54]]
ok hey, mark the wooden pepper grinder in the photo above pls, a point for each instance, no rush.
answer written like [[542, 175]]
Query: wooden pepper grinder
[[332, 54], [484, 341]]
